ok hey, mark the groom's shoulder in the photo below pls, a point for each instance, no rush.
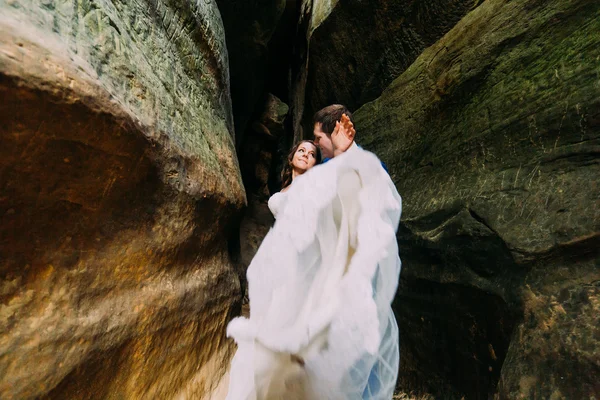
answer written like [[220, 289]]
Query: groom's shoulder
[[327, 159], [382, 163]]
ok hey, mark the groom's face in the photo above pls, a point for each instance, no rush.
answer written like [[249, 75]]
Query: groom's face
[[323, 140]]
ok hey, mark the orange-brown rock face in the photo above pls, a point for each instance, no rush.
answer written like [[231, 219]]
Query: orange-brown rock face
[[118, 188]]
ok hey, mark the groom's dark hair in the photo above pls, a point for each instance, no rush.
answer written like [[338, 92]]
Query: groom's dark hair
[[329, 115]]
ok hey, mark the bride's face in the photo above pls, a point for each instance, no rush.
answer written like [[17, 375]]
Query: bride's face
[[305, 157]]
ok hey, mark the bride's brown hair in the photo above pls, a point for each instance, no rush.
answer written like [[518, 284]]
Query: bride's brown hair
[[286, 172]]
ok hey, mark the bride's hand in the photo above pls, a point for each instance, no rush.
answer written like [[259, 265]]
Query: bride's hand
[[342, 136]]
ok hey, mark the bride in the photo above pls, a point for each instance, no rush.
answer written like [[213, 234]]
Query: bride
[[301, 158], [321, 285]]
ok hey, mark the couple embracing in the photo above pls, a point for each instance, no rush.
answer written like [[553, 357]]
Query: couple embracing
[[322, 282]]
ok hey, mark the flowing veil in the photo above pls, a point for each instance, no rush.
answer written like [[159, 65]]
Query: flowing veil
[[320, 288]]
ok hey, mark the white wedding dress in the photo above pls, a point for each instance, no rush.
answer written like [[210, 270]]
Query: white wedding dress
[[320, 288]]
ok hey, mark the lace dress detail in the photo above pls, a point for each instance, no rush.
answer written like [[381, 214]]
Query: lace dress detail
[[320, 287]]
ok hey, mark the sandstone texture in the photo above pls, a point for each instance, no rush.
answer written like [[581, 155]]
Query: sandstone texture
[[492, 137], [119, 192]]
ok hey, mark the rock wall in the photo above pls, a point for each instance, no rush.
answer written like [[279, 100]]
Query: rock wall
[[492, 138], [119, 190], [356, 48]]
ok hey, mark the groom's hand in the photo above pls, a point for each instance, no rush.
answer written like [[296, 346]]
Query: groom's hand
[[342, 136]]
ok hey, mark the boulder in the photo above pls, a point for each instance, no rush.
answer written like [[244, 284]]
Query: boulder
[[118, 193], [492, 137]]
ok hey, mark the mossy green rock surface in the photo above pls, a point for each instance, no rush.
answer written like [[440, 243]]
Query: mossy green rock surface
[[492, 137]]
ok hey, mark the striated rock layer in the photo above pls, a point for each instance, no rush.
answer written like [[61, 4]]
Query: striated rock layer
[[119, 187], [492, 137]]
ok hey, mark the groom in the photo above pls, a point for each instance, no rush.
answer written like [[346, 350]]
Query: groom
[[333, 130]]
